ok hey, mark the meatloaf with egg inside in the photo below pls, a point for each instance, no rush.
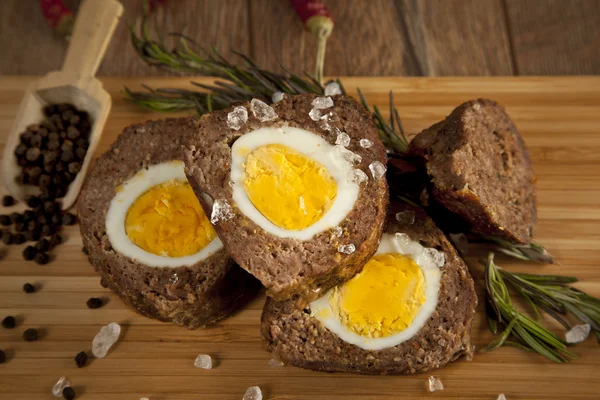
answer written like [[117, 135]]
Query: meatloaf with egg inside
[[299, 339], [290, 267], [191, 296], [480, 170]]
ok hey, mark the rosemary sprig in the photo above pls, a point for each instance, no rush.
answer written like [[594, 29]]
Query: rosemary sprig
[[527, 332], [529, 252], [238, 82]]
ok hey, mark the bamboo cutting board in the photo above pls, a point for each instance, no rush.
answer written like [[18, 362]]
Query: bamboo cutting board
[[560, 121]]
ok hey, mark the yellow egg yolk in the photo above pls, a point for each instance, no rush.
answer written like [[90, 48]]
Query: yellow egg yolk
[[290, 189], [383, 299], [167, 220]]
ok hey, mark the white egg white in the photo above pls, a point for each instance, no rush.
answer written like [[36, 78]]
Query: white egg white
[[321, 309], [312, 146], [126, 195]]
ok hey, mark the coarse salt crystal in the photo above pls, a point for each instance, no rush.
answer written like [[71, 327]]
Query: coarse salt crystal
[[253, 393], [346, 248], [221, 211], [203, 361], [276, 97], [332, 88], [501, 396], [437, 257], [105, 339], [406, 217], [315, 114], [342, 139], [357, 176], [322, 103], [342, 156], [237, 118], [403, 239], [336, 232], [59, 386], [275, 363], [434, 384], [262, 111], [578, 333], [377, 169], [365, 143]]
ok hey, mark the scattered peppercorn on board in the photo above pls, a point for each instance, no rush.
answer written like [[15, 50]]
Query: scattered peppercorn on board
[[560, 121]]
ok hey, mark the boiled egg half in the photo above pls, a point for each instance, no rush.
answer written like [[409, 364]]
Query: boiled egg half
[[291, 182], [390, 300], [156, 220]]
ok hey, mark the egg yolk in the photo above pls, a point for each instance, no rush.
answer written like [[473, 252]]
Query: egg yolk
[[167, 220], [290, 189], [383, 299]]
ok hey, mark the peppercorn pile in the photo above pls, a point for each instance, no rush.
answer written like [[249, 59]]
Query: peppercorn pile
[[51, 153], [40, 224]]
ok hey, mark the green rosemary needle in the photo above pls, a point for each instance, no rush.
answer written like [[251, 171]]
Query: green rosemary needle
[[528, 332]]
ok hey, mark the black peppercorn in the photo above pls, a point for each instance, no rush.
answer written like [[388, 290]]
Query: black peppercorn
[[47, 230], [33, 225], [32, 201], [56, 220], [50, 206], [68, 393], [20, 150], [19, 238], [9, 322], [30, 335], [29, 253], [16, 217], [8, 201], [5, 220], [21, 227], [42, 245], [55, 240], [42, 258], [28, 288], [33, 154], [80, 153], [2, 356], [33, 236], [69, 219], [29, 215], [74, 167], [81, 359], [94, 302], [7, 238]]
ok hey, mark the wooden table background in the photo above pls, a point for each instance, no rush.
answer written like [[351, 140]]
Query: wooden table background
[[559, 120], [371, 37]]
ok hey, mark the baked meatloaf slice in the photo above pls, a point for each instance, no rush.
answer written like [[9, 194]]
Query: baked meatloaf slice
[[480, 170], [300, 338], [190, 295], [301, 149]]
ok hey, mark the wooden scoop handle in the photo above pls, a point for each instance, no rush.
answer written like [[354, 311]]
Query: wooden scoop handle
[[94, 26]]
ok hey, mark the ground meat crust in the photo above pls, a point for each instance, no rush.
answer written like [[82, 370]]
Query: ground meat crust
[[290, 267], [191, 296], [297, 339], [481, 170]]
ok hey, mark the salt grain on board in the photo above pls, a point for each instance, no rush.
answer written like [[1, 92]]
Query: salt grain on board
[[105, 339], [62, 383], [578, 333], [332, 88], [434, 384], [253, 393], [203, 361]]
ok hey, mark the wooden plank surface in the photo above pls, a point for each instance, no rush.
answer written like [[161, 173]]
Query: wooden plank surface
[[371, 38], [559, 120]]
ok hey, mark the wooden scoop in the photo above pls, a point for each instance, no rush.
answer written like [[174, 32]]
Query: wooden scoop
[[75, 84]]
